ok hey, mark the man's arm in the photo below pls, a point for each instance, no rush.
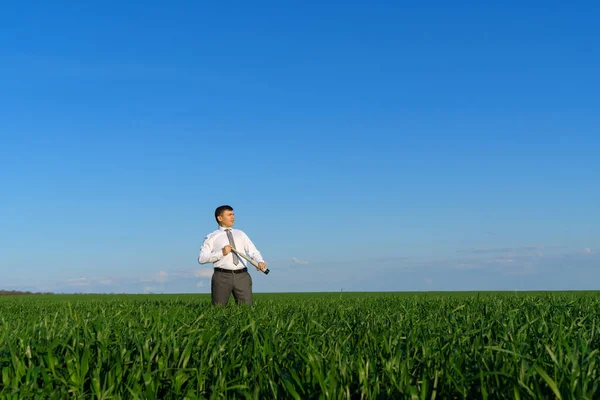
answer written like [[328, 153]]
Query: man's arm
[[252, 251], [208, 254]]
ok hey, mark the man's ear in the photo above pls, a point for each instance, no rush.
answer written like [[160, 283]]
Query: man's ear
[[220, 219]]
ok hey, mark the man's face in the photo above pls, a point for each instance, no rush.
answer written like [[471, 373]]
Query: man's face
[[227, 218]]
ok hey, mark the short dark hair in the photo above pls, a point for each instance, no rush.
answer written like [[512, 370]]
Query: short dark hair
[[220, 211]]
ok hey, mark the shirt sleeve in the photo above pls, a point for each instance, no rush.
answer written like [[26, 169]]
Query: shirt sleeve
[[207, 253], [251, 250]]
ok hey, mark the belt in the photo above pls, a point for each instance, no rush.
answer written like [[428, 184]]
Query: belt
[[231, 271]]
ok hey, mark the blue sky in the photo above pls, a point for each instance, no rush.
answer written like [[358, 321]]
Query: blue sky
[[364, 146]]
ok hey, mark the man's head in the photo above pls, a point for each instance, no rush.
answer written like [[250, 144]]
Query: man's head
[[225, 216]]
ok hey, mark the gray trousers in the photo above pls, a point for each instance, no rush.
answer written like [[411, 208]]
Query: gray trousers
[[223, 284]]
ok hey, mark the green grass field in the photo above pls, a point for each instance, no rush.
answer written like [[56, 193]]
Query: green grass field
[[303, 346]]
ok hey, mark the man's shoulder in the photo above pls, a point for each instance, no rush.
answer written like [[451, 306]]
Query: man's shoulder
[[212, 234]]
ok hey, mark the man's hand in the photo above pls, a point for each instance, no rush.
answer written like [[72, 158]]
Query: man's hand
[[226, 250], [261, 266]]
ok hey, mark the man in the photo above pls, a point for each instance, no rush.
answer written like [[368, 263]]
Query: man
[[231, 272]]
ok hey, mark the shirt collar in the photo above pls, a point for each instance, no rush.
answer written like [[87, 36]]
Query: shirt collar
[[222, 228]]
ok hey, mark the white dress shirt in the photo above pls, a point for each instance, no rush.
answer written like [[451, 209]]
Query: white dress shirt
[[211, 250]]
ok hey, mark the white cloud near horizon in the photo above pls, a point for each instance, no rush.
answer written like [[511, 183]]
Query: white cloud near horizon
[[83, 281], [204, 273], [520, 249], [503, 261], [162, 277], [298, 261]]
